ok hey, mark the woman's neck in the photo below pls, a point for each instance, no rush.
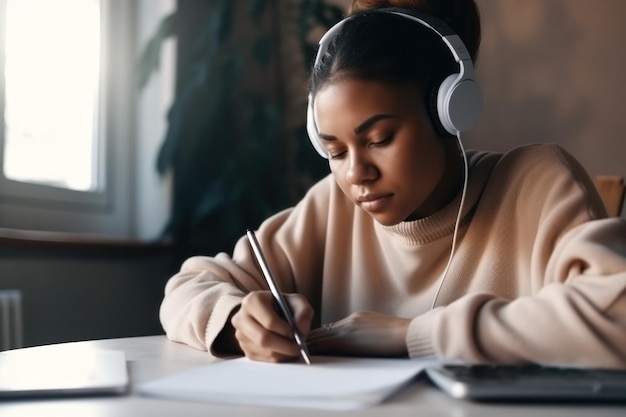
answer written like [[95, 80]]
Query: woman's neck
[[448, 186]]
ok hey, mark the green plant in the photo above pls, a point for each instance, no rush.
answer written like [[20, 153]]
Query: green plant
[[224, 142]]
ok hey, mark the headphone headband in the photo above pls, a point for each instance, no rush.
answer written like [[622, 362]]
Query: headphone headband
[[459, 98]]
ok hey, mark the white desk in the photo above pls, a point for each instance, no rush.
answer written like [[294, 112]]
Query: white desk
[[155, 356]]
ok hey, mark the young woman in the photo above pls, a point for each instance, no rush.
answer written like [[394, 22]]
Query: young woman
[[412, 246]]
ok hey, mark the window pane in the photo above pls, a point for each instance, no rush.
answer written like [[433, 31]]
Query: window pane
[[52, 85]]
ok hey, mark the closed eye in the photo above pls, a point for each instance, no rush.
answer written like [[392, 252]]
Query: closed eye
[[383, 142], [337, 155]]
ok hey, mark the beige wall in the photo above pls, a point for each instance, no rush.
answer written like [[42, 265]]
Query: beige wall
[[551, 72]]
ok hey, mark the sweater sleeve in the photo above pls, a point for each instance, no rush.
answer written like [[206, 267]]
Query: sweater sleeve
[[578, 321], [200, 298], [543, 231]]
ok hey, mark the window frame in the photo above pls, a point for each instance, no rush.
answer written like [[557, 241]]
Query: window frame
[[107, 210]]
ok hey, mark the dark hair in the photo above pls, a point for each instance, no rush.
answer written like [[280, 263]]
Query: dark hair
[[373, 45], [462, 16]]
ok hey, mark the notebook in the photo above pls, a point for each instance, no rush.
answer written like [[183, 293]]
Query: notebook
[[39, 372], [539, 383], [329, 383]]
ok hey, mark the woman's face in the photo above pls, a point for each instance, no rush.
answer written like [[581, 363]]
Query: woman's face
[[383, 150]]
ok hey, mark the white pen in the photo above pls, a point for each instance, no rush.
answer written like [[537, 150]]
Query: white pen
[[278, 296]]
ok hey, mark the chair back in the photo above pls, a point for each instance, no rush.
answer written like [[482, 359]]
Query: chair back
[[611, 189]]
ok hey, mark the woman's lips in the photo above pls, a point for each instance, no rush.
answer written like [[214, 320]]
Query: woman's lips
[[374, 202]]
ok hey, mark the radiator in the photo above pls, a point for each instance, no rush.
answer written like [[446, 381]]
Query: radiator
[[11, 331]]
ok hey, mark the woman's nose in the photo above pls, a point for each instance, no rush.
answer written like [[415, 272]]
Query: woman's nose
[[360, 169]]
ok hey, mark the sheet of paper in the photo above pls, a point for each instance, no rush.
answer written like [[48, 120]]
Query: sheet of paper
[[330, 383]]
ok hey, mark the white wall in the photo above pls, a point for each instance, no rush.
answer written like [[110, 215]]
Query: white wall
[[153, 193]]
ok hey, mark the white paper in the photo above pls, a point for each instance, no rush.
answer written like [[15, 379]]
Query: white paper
[[330, 383]]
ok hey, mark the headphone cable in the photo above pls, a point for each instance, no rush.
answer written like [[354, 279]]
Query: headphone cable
[[458, 217]]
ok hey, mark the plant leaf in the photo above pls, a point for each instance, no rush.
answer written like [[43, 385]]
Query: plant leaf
[[262, 50], [257, 7], [328, 14], [151, 56], [216, 30]]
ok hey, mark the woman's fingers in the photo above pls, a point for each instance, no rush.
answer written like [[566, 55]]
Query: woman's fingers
[[259, 344], [262, 332], [260, 306], [302, 312]]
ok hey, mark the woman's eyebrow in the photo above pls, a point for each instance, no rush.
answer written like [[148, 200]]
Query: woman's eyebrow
[[362, 127], [371, 122]]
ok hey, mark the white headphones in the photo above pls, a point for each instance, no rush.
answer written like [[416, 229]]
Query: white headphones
[[459, 98]]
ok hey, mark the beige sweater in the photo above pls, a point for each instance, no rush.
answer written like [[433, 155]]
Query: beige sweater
[[539, 274]]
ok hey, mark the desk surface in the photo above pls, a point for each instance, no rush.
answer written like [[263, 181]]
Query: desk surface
[[154, 356]]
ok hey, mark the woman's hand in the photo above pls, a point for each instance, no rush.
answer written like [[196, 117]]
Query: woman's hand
[[263, 334], [363, 333]]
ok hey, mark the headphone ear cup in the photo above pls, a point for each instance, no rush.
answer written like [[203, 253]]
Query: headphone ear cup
[[459, 104], [311, 128]]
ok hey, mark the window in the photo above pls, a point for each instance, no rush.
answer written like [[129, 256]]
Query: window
[[52, 78], [67, 115], [77, 141]]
